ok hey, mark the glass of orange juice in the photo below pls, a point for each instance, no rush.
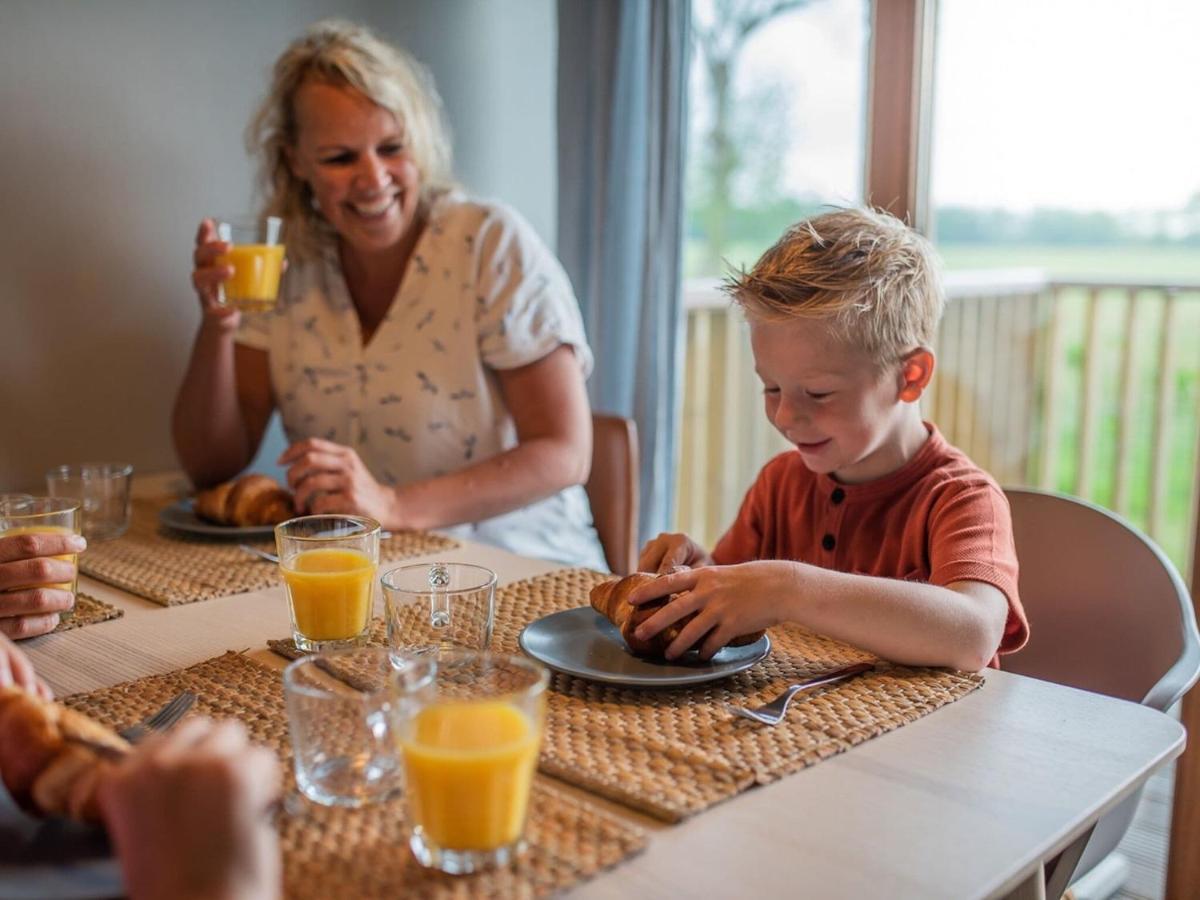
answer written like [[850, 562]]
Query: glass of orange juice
[[256, 255], [23, 514], [470, 727], [328, 565]]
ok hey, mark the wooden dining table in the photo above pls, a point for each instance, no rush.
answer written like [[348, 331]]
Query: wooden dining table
[[973, 800]]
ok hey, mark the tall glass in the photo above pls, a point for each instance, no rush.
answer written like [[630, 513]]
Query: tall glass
[[44, 515], [256, 255], [438, 606], [470, 727], [328, 565]]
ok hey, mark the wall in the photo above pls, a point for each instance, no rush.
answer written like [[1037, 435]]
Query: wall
[[122, 125]]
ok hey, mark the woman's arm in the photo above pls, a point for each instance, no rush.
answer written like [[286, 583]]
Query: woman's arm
[[225, 400], [550, 409], [222, 408]]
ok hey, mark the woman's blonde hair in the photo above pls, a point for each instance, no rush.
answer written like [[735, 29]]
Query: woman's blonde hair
[[871, 276], [341, 53]]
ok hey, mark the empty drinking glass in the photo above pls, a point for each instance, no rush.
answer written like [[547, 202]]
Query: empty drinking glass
[[437, 606], [340, 717], [103, 491]]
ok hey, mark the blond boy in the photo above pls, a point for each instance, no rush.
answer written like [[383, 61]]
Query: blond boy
[[874, 530]]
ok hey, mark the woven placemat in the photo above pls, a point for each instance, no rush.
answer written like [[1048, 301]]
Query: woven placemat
[[334, 852], [88, 611], [674, 753], [171, 567]]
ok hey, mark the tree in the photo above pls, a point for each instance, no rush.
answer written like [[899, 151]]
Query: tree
[[719, 39]]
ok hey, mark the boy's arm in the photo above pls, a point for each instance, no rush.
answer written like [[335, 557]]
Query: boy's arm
[[907, 622]]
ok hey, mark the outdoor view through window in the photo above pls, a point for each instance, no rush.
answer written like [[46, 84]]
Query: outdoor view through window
[[1066, 199], [777, 118]]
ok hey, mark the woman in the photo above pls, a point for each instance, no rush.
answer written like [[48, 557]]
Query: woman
[[427, 354]]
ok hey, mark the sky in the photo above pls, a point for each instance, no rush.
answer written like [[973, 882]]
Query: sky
[[1084, 104]]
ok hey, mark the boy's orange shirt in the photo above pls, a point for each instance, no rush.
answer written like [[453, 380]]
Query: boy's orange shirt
[[938, 519]]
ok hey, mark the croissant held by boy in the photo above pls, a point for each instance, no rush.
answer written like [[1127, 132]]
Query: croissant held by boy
[[611, 600]]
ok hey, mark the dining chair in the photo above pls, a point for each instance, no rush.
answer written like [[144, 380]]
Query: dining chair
[[1109, 613], [612, 489]]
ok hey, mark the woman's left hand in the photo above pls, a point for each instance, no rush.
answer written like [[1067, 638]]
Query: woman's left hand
[[331, 478]]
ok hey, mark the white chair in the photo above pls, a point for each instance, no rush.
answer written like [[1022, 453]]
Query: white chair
[[1109, 613]]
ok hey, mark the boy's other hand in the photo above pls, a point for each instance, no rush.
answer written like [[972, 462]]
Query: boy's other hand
[[728, 601], [667, 552]]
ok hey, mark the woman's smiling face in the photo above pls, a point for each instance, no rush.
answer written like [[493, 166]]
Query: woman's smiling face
[[351, 153]]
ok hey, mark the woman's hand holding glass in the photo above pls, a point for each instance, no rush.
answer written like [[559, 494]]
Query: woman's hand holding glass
[[30, 601], [208, 276]]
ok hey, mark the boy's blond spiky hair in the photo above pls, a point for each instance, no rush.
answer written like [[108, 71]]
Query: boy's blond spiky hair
[[871, 276]]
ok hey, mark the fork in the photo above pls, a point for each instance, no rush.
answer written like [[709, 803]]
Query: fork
[[171, 713], [772, 713]]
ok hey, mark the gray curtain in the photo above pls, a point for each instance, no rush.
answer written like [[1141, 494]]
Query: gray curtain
[[622, 90]]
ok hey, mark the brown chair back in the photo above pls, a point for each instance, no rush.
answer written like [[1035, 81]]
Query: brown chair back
[[612, 489]]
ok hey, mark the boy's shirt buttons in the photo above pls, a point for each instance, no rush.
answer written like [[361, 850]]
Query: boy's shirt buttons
[[828, 542], [837, 496]]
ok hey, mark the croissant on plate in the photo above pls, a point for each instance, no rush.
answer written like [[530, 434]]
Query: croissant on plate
[[51, 759], [611, 600], [246, 501]]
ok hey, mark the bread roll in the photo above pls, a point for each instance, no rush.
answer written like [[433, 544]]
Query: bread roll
[[46, 771], [611, 600], [250, 500]]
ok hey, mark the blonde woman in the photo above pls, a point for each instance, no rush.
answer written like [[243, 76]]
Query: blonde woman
[[427, 354]]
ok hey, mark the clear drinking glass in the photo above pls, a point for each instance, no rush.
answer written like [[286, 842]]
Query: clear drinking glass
[[340, 717], [256, 255], [14, 501], [329, 565], [436, 606], [44, 515], [470, 727], [103, 489]]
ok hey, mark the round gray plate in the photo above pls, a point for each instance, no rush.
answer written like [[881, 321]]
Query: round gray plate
[[179, 515], [582, 642]]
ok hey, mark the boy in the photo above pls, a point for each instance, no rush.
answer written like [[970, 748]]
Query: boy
[[874, 530]]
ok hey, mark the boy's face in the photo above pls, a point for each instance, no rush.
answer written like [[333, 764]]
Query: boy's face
[[832, 401]]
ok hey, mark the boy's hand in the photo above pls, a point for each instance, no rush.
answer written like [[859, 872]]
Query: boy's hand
[[669, 551], [727, 600]]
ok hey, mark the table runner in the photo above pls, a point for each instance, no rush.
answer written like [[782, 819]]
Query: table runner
[[88, 611], [171, 567], [335, 852], [672, 753]]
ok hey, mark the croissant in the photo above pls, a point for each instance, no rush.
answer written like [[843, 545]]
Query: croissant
[[42, 766], [611, 600], [246, 501]]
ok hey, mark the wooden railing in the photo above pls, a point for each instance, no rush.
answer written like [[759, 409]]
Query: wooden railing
[[1083, 386]]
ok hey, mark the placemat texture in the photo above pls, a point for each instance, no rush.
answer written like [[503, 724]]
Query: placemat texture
[[171, 567], [672, 753], [334, 852], [88, 611]]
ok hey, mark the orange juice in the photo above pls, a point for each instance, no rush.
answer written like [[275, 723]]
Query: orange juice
[[469, 767], [330, 591], [72, 558], [256, 270]]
